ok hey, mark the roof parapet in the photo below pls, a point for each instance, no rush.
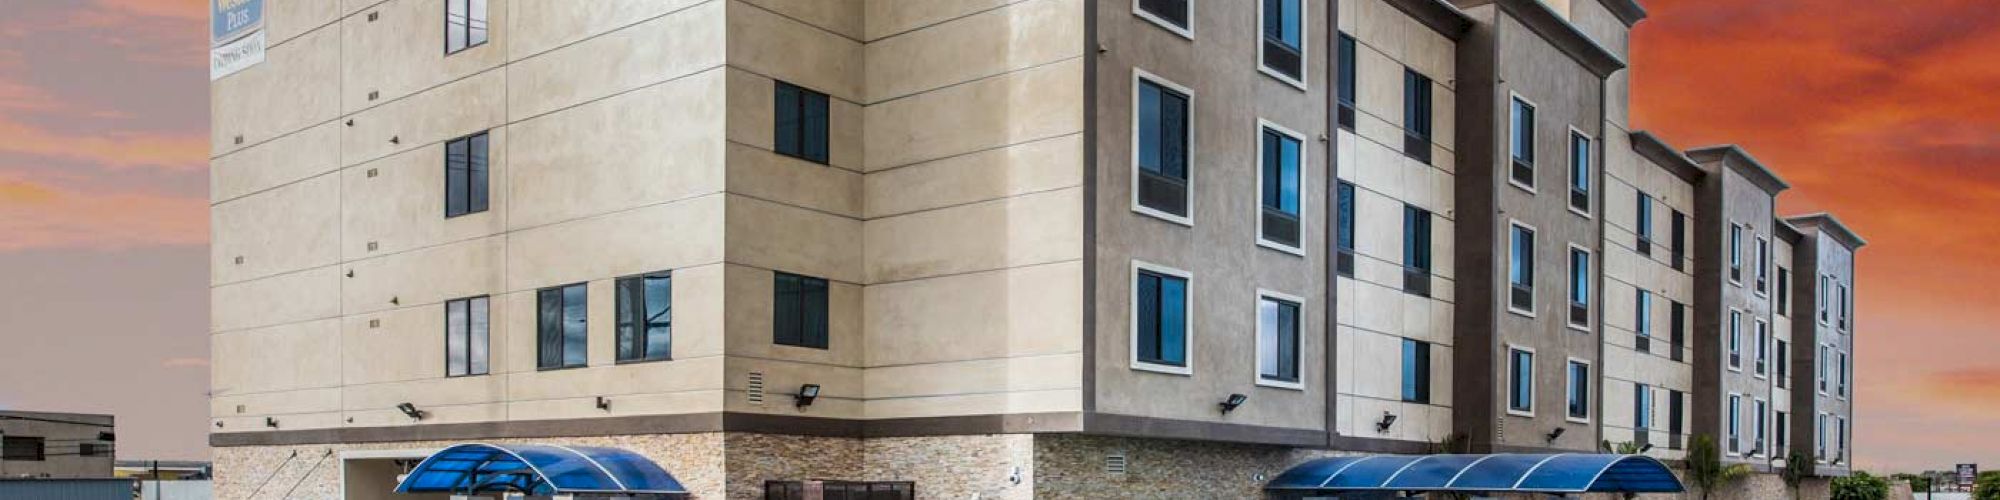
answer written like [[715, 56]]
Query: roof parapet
[[1559, 32], [1653, 148], [1734, 157], [1627, 11], [1437, 14], [1827, 223]]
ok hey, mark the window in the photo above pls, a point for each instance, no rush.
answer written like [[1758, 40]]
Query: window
[[1346, 86], [1416, 371], [1843, 306], [1675, 423], [1736, 340], [1783, 304], [1579, 391], [1735, 424], [93, 450], [1783, 365], [1841, 386], [1416, 115], [1579, 172], [1780, 439], [1344, 247], [1279, 177], [1579, 287], [1819, 443], [1763, 354], [1825, 283], [1736, 253], [1163, 144], [1170, 14], [464, 24], [1416, 251], [1679, 227], [799, 314], [800, 122], [1642, 321], [1522, 141], [1763, 265], [1278, 340], [1283, 50], [1643, 225], [1757, 447], [1160, 319], [1825, 360], [646, 317], [1841, 434], [465, 175], [22, 448], [561, 329], [1521, 270], [1677, 328], [851, 490], [1520, 381], [466, 336], [1642, 408]]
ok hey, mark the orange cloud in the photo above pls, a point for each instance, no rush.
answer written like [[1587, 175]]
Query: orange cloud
[[42, 216], [118, 149]]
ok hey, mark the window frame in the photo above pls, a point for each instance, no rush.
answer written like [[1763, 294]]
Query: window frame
[[1346, 80], [804, 342], [1187, 313], [1642, 319], [1825, 305], [1411, 249], [1298, 342], [485, 203], [1428, 105], [1761, 356], [1825, 352], [1525, 392], [1589, 157], [1759, 431], [485, 16], [1514, 157], [1734, 268], [1140, 78], [1733, 341], [1642, 408], [1347, 196], [1733, 428], [1570, 389], [1642, 222], [1513, 259], [806, 98], [1263, 126], [1840, 373], [1418, 378], [1184, 31], [1782, 293], [643, 342], [1761, 275], [1589, 277], [1841, 299], [1305, 56], [487, 369], [562, 361]]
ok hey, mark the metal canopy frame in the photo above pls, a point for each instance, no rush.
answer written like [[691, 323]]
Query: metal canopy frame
[[1555, 474], [537, 469]]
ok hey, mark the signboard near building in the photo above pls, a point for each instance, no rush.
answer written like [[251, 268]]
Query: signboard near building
[[236, 36], [1967, 474]]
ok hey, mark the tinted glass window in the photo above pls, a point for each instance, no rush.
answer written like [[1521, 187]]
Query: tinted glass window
[[801, 123], [1162, 328], [465, 175], [1416, 371], [799, 311], [1277, 340], [464, 24], [645, 317], [562, 333], [466, 336], [1521, 386]]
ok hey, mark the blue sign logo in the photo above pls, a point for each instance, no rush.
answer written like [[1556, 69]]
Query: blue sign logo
[[230, 19]]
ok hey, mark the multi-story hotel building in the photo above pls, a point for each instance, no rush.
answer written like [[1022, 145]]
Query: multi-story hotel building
[[1089, 248]]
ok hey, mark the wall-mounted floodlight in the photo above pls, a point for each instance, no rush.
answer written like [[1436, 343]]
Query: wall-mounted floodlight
[[1388, 419], [603, 403], [1557, 434], [410, 410], [1233, 401], [807, 393], [271, 422]]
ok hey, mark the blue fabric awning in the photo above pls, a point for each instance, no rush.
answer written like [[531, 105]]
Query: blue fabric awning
[[1500, 473], [538, 470]]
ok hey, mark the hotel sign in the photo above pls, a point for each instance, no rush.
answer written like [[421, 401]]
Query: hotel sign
[[1968, 474], [236, 36]]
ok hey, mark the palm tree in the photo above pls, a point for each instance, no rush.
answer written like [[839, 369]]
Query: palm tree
[[1705, 468], [1795, 472]]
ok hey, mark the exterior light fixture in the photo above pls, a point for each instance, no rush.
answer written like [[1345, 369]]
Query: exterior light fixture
[[410, 410], [1388, 419], [1234, 400], [271, 422], [807, 393], [1557, 434], [603, 403], [1648, 447]]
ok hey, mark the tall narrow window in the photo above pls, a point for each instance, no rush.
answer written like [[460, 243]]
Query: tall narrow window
[[1522, 144], [1677, 329], [466, 336], [1841, 371], [1162, 127], [1763, 265], [1346, 86], [1841, 434], [1825, 284], [1643, 225], [1757, 429], [1280, 175], [1579, 390], [1842, 323], [799, 312], [645, 317], [1521, 270], [1736, 253], [1825, 361], [1520, 381], [465, 175], [1783, 364], [1763, 340], [1780, 434], [1284, 40], [1170, 14], [1579, 287], [1642, 409], [464, 24], [1679, 227], [800, 122], [1416, 251], [1160, 308], [1579, 172], [1676, 425], [1642, 321], [562, 333], [1416, 371], [1344, 245], [1416, 115], [1819, 443], [1735, 424], [1784, 292], [1736, 340], [1277, 341]]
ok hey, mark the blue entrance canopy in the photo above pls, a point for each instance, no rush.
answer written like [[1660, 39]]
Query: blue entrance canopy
[[1499, 473], [538, 470]]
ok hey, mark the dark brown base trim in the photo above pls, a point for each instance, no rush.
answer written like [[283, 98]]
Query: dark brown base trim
[[1379, 445], [1110, 424]]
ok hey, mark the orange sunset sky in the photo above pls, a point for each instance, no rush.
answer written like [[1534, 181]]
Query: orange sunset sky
[[1882, 111]]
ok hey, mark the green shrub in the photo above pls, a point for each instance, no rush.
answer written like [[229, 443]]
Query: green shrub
[[1860, 486]]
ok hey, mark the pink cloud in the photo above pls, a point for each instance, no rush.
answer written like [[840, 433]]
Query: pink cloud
[[35, 215]]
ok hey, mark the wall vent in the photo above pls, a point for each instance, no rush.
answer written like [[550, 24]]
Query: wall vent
[[372, 16], [374, 323], [372, 173], [1115, 464], [754, 389]]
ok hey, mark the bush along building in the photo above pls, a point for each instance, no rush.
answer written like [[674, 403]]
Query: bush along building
[[1042, 248]]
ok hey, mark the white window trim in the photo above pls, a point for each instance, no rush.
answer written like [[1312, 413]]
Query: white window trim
[[1823, 380], [1734, 245], [1185, 32], [1305, 57], [1509, 393], [1734, 412], [1762, 351], [1535, 166], [1139, 77], [1534, 241], [1569, 385], [1762, 267], [1824, 297], [1132, 334], [1593, 188], [1733, 334], [1262, 125], [1299, 356], [1762, 425], [1841, 376], [1642, 314], [1590, 277]]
